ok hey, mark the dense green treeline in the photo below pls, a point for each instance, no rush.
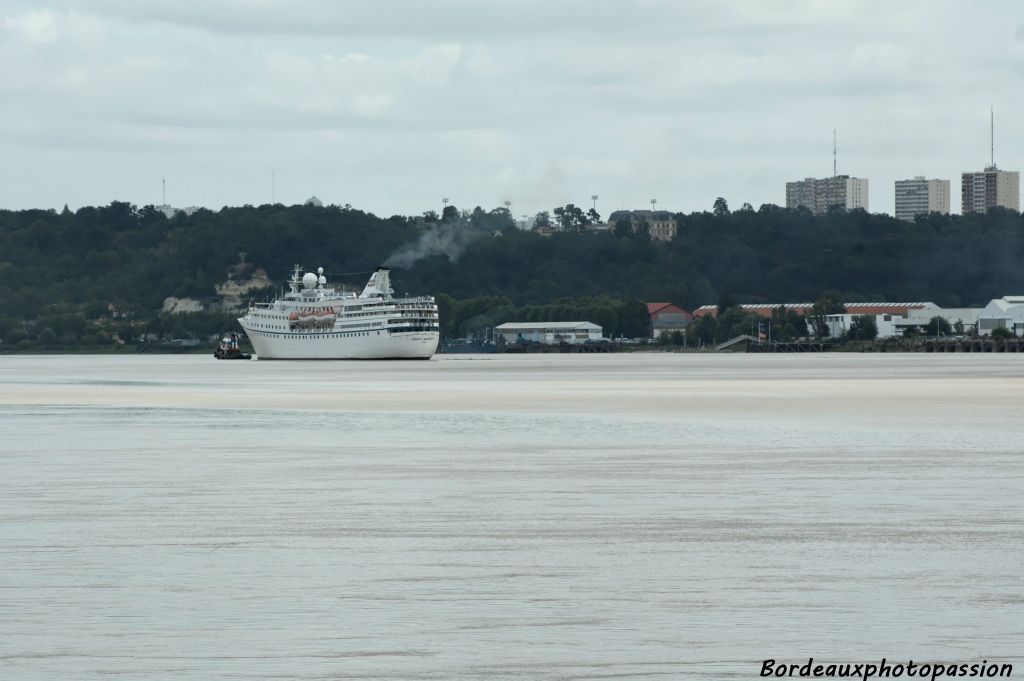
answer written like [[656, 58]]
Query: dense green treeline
[[769, 255], [133, 259], [101, 272]]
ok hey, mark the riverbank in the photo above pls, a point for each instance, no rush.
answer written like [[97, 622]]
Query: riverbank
[[147, 349]]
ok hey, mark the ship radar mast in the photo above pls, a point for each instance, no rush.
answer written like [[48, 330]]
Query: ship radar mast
[[296, 279]]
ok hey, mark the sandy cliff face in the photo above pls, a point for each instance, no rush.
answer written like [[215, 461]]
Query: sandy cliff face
[[234, 293], [174, 305]]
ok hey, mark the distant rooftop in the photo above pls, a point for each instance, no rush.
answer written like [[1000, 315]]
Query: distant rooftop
[[517, 326], [766, 309], [169, 211], [640, 215], [654, 308]]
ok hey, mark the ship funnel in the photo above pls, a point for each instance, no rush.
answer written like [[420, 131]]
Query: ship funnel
[[379, 285]]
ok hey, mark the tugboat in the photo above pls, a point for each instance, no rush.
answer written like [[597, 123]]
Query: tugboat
[[229, 349]]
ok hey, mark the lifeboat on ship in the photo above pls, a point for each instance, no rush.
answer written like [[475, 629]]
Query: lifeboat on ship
[[324, 317]]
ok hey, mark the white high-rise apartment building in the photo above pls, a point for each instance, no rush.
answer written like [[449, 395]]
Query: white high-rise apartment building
[[821, 195], [920, 197], [990, 188]]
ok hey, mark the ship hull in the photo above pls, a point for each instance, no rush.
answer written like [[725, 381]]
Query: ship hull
[[341, 345]]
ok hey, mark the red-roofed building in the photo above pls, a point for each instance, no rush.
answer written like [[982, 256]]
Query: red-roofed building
[[666, 318]]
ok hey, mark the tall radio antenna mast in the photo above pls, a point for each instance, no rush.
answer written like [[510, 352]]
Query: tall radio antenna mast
[[992, 135], [833, 152], [163, 190]]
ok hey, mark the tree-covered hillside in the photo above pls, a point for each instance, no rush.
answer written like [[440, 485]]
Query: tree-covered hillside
[[73, 269], [769, 255]]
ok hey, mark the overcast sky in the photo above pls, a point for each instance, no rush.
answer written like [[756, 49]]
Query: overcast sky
[[391, 106]]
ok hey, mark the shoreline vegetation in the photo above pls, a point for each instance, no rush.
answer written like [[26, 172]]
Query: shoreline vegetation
[[122, 279], [885, 345]]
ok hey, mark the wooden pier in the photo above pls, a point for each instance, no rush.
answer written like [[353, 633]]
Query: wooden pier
[[792, 346], [561, 348], [981, 344]]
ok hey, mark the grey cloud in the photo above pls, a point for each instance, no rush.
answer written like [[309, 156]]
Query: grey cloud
[[397, 104], [428, 19]]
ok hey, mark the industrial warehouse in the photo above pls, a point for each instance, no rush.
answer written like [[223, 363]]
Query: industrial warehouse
[[548, 333]]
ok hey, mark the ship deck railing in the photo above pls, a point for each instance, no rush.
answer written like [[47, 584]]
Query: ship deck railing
[[406, 304]]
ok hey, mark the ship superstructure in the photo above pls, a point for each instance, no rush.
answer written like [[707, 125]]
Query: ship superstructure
[[316, 321]]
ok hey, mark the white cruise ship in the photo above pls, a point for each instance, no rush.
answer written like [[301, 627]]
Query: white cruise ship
[[315, 321]]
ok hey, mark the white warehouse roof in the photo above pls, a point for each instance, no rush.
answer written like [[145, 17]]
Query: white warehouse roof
[[523, 326]]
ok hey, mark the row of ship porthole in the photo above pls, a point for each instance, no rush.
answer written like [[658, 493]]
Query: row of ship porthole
[[305, 336]]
